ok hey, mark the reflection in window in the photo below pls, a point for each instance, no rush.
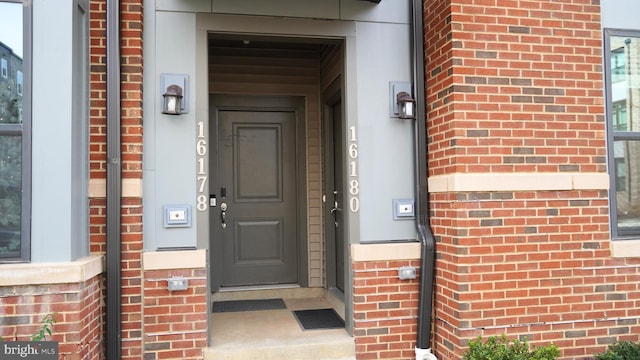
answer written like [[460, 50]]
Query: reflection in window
[[623, 94], [620, 115], [10, 196], [617, 65], [11, 130], [627, 175], [621, 174], [4, 68]]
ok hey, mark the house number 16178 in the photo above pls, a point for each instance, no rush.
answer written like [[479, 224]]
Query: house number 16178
[[202, 203]]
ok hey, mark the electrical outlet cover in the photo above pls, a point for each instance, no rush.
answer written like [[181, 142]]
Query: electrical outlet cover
[[404, 209], [177, 216]]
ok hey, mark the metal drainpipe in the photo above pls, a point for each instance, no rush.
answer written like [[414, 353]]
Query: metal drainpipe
[[114, 183], [425, 235]]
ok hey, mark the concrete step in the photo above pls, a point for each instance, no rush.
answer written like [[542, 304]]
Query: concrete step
[[310, 351]]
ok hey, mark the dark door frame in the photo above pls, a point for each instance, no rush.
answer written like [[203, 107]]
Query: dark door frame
[[270, 103], [330, 97]]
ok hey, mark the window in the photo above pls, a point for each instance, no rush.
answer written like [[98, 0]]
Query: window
[[14, 151], [619, 115], [622, 49], [3, 65]]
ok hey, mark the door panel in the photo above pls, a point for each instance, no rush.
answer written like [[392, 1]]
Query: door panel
[[335, 226], [258, 151], [338, 193], [255, 240], [259, 242]]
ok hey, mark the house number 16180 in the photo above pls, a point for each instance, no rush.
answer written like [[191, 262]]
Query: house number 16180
[[354, 185]]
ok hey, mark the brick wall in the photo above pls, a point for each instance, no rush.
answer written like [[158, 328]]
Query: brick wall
[[76, 308], [175, 323], [516, 88], [385, 310], [131, 161]]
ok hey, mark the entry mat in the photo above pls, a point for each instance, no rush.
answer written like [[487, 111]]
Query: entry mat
[[248, 305], [318, 319]]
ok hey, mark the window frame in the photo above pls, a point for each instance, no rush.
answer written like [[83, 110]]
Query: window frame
[[23, 130], [614, 135]]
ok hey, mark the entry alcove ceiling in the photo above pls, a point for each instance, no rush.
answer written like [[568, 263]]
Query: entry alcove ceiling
[[253, 59], [268, 46]]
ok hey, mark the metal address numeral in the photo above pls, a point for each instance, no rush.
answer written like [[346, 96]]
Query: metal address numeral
[[201, 170], [354, 184]]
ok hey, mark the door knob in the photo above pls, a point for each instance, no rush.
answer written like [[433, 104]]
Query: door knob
[[223, 213]]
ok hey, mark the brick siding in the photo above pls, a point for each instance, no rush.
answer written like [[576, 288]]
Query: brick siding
[[516, 87], [175, 323], [385, 310], [131, 136], [76, 308]]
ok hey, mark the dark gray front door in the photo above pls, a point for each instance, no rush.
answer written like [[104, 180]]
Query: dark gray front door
[[334, 192], [255, 223]]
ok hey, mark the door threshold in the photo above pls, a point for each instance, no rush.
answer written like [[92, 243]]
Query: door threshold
[[256, 293], [258, 287]]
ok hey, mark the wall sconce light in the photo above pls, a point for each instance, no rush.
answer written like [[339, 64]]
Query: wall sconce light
[[172, 100], [401, 104], [406, 106], [174, 89]]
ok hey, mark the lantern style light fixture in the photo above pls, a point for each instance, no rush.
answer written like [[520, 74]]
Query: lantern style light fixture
[[406, 106], [172, 100]]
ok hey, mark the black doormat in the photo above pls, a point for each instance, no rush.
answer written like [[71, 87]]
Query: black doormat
[[248, 305], [318, 319]]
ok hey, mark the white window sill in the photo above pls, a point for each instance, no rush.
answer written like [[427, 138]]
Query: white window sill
[[51, 273]]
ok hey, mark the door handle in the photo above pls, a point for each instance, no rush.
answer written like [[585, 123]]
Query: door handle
[[335, 208], [223, 213], [333, 214]]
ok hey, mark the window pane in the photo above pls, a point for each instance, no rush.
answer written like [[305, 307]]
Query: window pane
[[10, 63], [626, 153], [10, 196], [11, 106], [625, 82]]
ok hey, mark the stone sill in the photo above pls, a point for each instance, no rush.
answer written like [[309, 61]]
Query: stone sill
[[482, 182], [168, 260], [51, 273], [625, 248], [386, 251]]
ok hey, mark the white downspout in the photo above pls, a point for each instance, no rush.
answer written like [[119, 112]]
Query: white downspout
[[425, 354]]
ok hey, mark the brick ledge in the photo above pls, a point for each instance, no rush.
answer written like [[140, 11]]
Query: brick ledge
[[130, 188], [518, 182], [51, 273], [386, 252]]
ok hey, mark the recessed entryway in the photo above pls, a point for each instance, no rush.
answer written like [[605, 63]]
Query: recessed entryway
[[276, 334], [265, 133], [268, 241]]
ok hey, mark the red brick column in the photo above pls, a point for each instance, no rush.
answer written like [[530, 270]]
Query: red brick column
[[516, 88], [131, 129], [385, 310], [175, 323], [131, 17]]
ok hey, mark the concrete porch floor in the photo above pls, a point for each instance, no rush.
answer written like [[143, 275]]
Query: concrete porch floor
[[275, 334]]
